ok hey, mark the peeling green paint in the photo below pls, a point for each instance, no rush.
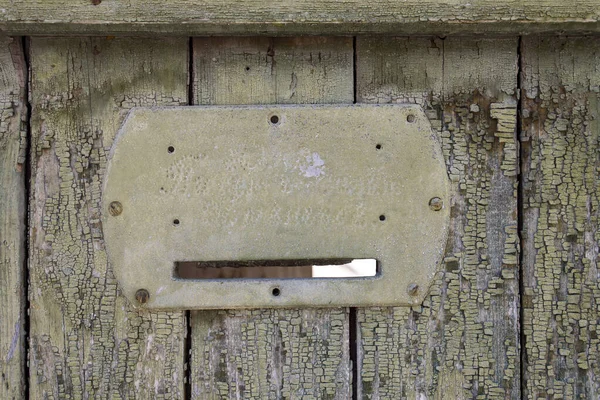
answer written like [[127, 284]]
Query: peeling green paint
[[560, 234], [13, 142], [467, 329], [86, 340]]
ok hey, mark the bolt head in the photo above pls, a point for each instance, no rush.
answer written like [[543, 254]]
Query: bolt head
[[115, 208], [142, 296], [436, 204], [413, 289]]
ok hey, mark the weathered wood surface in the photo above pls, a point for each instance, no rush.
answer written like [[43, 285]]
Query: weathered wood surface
[[86, 340], [13, 147], [463, 342], [255, 17], [271, 354], [561, 232]]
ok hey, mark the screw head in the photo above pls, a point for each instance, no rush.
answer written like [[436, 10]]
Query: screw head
[[436, 204], [115, 208], [142, 296], [413, 289]]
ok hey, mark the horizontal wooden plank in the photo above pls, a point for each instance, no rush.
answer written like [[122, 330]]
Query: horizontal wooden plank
[[226, 17]]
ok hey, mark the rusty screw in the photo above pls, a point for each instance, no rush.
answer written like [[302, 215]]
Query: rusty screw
[[115, 208], [412, 289], [436, 204], [142, 296]]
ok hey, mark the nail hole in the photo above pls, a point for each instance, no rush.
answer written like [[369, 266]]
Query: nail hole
[[276, 292], [382, 217], [378, 147], [171, 149], [410, 118], [247, 68], [175, 222], [274, 119]]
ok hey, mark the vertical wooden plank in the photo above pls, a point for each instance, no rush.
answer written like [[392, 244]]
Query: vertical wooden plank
[[13, 140], [272, 354], [561, 200], [463, 341], [273, 70], [86, 340]]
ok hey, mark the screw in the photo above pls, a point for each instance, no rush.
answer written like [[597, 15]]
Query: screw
[[413, 289], [115, 208], [142, 296], [436, 204]]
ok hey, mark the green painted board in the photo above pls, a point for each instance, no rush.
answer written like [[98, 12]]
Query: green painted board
[[13, 206], [86, 341], [463, 342], [293, 353], [561, 217], [296, 17]]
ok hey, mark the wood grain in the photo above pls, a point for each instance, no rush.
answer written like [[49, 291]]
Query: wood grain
[[13, 147], [561, 201], [272, 354], [296, 17], [86, 340], [463, 342]]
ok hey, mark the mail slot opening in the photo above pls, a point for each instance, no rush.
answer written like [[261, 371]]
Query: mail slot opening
[[277, 269]]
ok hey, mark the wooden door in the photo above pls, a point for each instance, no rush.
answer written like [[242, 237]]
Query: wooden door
[[512, 312]]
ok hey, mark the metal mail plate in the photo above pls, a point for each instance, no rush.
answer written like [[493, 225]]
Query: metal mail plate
[[275, 183]]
